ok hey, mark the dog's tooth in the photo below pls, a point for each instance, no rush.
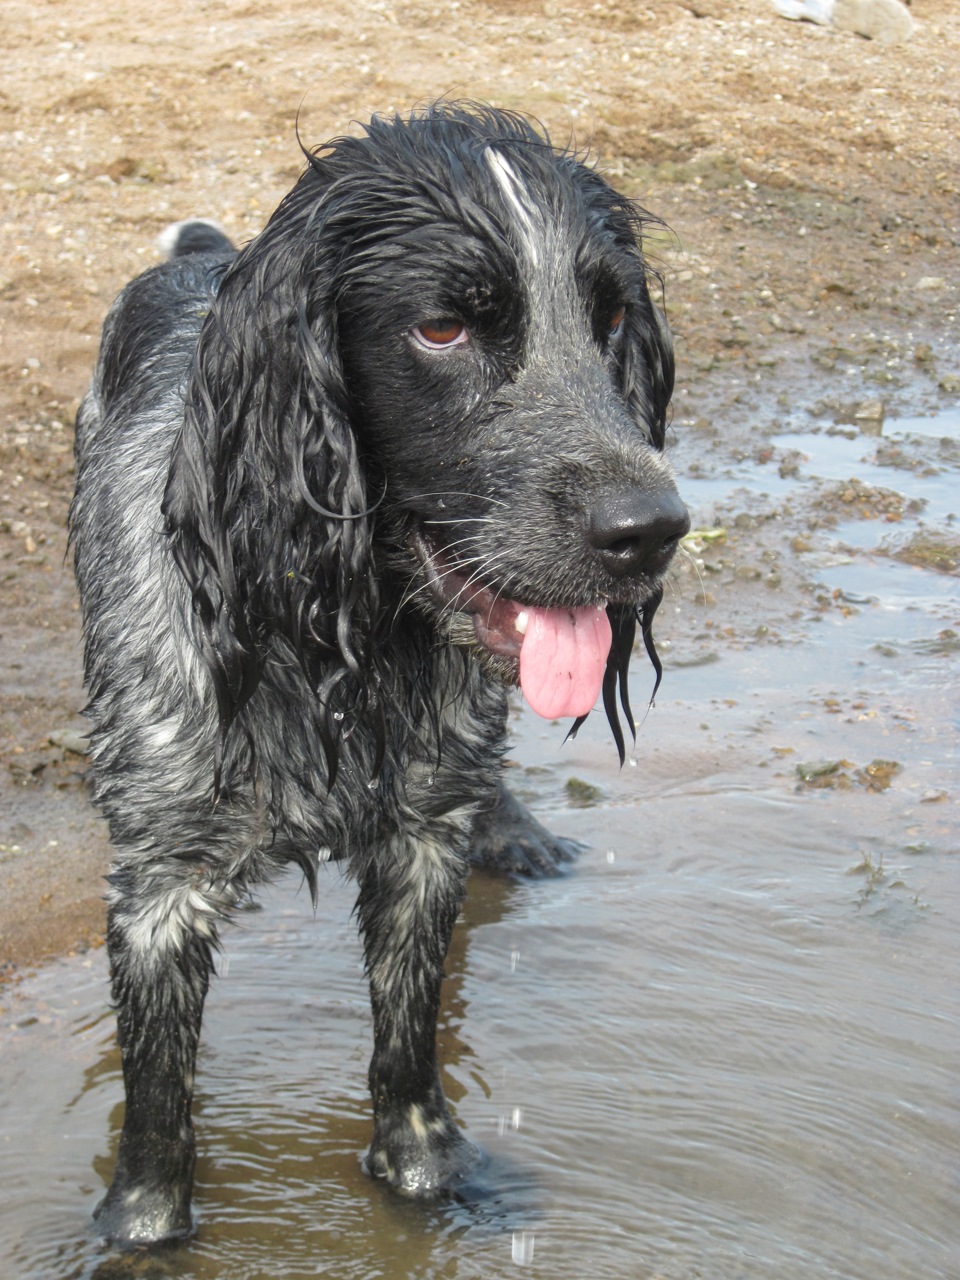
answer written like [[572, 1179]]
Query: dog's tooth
[[522, 620]]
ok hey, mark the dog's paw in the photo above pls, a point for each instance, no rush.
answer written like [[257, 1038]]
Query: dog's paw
[[130, 1215], [420, 1156], [509, 838]]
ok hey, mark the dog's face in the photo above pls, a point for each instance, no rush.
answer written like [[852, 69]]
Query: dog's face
[[438, 363], [509, 378]]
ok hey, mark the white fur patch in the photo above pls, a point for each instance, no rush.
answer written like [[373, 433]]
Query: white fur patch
[[508, 182], [162, 924]]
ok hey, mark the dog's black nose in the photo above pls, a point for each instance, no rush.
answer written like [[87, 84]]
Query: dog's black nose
[[637, 531]]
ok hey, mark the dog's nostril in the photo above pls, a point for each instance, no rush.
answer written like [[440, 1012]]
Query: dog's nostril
[[636, 531]]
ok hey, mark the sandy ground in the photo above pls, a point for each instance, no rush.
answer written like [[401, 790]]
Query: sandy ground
[[809, 179]]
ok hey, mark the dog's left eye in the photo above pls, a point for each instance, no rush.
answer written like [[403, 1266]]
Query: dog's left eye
[[617, 322], [437, 335]]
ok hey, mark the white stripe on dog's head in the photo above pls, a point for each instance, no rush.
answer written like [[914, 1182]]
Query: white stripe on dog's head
[[513, 193]]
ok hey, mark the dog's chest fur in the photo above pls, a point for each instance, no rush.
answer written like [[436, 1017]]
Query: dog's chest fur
[[439, 761]]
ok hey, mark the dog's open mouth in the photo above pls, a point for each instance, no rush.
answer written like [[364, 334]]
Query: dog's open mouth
[[557, 656]]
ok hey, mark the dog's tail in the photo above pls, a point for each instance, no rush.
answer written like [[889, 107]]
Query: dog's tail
[[196, 235]]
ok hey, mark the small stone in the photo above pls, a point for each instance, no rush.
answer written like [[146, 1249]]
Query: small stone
[[878, 774], [869, 411], [820, 11], [949, 382], [887, 21], [581, 794], [73, 740], [123, 167]]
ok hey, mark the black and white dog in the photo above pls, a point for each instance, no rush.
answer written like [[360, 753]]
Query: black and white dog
[[335, 494]]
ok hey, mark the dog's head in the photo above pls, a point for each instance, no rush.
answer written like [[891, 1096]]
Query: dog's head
[[436, 381]]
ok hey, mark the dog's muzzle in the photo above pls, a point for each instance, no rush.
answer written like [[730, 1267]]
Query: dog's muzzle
[[558, 655]]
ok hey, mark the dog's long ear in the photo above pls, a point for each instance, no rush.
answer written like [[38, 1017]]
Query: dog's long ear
[[266, 503], [648, 368]]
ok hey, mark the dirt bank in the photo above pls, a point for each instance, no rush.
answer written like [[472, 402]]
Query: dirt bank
[[809, 179]]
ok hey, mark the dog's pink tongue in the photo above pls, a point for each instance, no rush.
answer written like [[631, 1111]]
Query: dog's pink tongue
[[562, 660]]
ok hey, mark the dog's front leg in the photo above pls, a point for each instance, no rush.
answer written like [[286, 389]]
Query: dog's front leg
[[160, 960], [409, 899]]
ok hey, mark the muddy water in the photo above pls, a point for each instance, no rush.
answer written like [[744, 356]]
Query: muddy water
[[724, 1046]]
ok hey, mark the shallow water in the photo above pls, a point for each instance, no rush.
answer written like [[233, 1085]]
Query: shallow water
[[724, 1046]]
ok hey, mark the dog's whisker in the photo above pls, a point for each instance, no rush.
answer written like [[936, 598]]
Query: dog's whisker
[[692, 560], [461, 520], [422, 497], [439, 577], [454, 605]]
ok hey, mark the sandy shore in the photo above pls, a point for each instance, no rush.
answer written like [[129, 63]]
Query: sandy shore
[[809, 179]]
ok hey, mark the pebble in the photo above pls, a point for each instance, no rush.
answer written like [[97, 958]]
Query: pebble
[[71, 740], [869, 411], [887, 21]]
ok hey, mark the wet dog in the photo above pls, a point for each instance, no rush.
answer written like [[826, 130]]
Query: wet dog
[[335, 494]]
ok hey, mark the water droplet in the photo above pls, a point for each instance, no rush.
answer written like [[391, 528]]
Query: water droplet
[[373, 784], [431, 779], [338, 715], [324, 853], [514, 960], [523, 1247], [515, 1120], [441, 505], [633, 762], [611, 855]]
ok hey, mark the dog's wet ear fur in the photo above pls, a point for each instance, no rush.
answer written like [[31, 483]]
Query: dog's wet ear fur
[[266, 503], [647, 368], [615, 688], [652, 336]]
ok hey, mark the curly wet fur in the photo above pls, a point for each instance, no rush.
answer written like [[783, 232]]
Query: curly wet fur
[[284, 497]]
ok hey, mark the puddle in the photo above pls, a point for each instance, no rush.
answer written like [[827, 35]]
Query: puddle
[[942, 425], [827, 456], [721, 1043], [916, 456], [724, 1046]]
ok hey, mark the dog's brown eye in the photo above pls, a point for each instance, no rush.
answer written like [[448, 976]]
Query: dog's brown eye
[[437, 334], [616, 321]]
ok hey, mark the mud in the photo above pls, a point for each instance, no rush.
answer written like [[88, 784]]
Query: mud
[[808, 182]]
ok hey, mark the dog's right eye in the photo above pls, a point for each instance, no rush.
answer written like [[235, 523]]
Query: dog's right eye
[[437, 335]]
